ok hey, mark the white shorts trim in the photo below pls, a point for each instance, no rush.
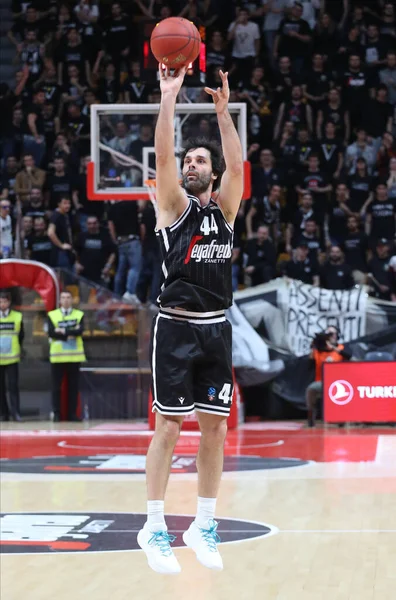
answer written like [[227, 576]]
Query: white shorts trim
[[212, 412], [173, 408], [171, 414], [188, 313], [218, 408], [194, 321]]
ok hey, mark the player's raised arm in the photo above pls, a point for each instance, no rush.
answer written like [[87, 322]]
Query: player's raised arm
[[231, 188], [170, 198]]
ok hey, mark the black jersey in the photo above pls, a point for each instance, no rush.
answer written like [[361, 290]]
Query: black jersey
[[196, 252]]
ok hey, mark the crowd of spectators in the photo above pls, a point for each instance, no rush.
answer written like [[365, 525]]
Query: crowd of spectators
[[319, 81]]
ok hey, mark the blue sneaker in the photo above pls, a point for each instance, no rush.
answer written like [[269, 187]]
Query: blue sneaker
[[156, 545], [204, 543]]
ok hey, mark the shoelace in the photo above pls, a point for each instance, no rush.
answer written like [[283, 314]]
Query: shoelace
[[211, 536], [162, 539]]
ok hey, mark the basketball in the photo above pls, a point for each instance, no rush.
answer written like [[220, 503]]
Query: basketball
[[175, 42]]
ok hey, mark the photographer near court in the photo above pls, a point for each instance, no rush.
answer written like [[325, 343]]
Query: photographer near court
[[325, 348]]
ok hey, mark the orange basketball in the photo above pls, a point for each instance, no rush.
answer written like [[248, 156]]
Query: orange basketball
[[175, 42]]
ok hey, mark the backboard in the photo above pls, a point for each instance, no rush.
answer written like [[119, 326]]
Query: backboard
[[122, 144]]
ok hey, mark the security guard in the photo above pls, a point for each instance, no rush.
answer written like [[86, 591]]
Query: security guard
[[65, 329], [11, 338]]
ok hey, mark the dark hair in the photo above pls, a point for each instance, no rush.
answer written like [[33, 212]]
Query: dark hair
[[63, 197], [216, 156], [5, 296]]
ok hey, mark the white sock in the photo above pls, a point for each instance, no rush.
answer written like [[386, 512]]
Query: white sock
[[155, 515], [206, 508]]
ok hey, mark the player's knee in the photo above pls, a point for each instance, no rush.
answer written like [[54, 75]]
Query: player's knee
[[170, 429], [215, 428]]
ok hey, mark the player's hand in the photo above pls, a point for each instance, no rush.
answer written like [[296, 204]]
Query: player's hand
[[221, 95], [171, 83]]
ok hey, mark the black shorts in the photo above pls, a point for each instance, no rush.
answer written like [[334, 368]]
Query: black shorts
[[191, 366]]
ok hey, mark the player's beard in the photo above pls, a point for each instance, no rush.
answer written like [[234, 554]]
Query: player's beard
[[198, 185]]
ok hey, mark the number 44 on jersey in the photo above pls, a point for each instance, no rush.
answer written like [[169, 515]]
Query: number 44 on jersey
[[209, 226]]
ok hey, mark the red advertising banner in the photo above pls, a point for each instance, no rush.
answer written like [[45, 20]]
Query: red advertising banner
[[359, 392]]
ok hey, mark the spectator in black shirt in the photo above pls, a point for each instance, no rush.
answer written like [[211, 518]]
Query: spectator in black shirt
[[325, 39], [8, 179], [293, 38], [64, 21], [333, 110], [72, 52], [315, 181], [148, 285], [297, 221], [305, 146], [265, 210], [310, 237], [62, 149], [74, 88], [31, 53], [387, 76], [360, 186], [58, 184], [13, 134], [39, 246], [61, 235], [318, 83], [48, 82], [261, 257], [117, 34], [381, 216], [95, 252], [336, 219], [266, 174], [78, 126], [144, 140], [380, 275], [51, 124], [284, 80], [216, 51], [355, 249], [34, 140], [30, 21], [349, 44], [135, 89], [297, 111], [337, 11], [335, 274], [378, 115], [387, 24], [355, 84], [35, 208], [301, 266], [375, 49], [125, 232], [331, 152], [80, 196], [109, 85]]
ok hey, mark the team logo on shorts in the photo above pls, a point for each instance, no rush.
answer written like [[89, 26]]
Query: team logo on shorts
[[211, 394]]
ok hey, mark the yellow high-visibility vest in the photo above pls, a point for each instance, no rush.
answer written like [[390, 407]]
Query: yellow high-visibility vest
[[10, 349], [72, 349]]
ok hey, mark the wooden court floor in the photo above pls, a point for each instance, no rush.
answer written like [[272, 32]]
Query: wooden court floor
[[305, 514]]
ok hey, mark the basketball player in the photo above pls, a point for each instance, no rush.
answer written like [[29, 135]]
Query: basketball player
[[192, 341]]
